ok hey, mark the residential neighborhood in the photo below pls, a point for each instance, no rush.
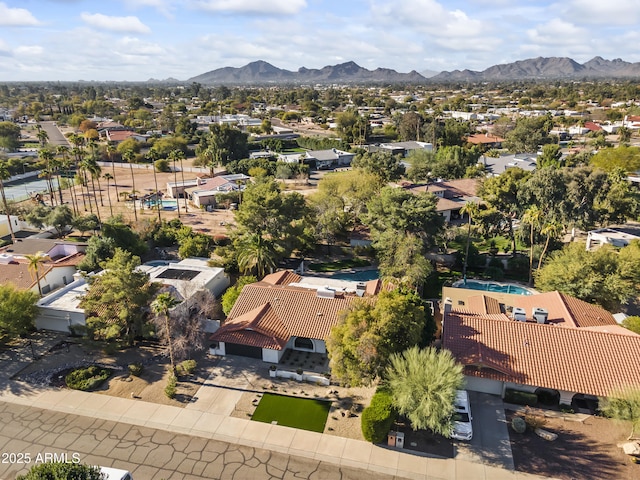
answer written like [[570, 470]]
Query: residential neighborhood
[[419, 281]]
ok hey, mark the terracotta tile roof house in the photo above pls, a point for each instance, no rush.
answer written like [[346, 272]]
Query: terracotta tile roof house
[[486, 140], [285, 310], [452, 194], [580, 351]]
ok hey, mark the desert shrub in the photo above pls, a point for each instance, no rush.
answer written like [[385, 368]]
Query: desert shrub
[[565, 408], [520, 398], [135, 369], [162, 165], [518, 265], [187, 367], [78, 330], [87, 378], [518, 424], [172, 387], [534, 418], [378, 417]]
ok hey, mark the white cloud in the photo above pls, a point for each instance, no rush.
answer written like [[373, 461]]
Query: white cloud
[[16, 17], [163, 6], [599, 12], [557, 32], [29, 50], [116, 24], [272, 7]]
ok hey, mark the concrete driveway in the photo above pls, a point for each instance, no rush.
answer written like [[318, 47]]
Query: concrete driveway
[[490, 444]]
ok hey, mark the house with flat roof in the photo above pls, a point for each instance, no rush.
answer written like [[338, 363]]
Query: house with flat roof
[[495, 166], [207, 189], [328, 159], [549, 341], [287, 311]]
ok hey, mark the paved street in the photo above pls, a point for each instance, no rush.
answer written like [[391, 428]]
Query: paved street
[[148, 453], [55, 135]]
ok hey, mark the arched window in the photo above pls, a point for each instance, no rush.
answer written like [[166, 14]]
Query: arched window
[[304, 343]]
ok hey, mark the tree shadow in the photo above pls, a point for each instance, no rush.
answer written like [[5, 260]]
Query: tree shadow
[[572, 455]]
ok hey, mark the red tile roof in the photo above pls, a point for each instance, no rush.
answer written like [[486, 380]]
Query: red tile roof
[[260, 327], [282, 277], [481, 139], [570, 359]]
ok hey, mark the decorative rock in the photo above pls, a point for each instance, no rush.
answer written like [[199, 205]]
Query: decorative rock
[[549, 436], [631, 448]]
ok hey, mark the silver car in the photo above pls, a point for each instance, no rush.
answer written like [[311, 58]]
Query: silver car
[[462, 428]]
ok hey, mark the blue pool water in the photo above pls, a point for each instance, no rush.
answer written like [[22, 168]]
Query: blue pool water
[[362, 276], [493, 287], [166, 204]]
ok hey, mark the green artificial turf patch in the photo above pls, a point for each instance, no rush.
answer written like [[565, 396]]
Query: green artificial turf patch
[[303, 413]]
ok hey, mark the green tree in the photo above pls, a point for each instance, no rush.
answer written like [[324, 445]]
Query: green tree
[[533, 217], [423, 384], [256, 254], [62, 471], [115, 300], [9, 136], [18, 311], [623, 405], [551, 156], [625, 157], [367, 334], [231, 295], [603, 276], [471, 210], [60, 218], [99, 249], [632, 323], [384, 165], [123, 236], [528, 134], [196, 245], [421, 165]]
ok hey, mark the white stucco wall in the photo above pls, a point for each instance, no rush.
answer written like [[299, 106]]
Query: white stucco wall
[[271, 356]]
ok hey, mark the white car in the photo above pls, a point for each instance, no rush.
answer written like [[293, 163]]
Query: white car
[[462, 428]]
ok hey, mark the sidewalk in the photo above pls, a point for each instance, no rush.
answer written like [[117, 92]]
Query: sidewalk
[[219, 426]]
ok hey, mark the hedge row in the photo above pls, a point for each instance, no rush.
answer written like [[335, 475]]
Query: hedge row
[[520, 398], [378, 417]]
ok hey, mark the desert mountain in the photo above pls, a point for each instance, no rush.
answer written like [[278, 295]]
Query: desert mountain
[[261, 72], [546, 68]]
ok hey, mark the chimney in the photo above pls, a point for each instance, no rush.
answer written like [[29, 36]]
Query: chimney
[[448, 305]]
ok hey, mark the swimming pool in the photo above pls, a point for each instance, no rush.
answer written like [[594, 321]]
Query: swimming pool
[[359, 276], [166, 204], [493, 287]]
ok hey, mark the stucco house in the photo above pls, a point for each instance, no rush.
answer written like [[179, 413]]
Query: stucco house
[[452, 195], [286, 311], [205, 192], [328, 159], [548, 341]]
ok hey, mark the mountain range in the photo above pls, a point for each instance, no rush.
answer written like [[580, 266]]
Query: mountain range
[[261, 72]]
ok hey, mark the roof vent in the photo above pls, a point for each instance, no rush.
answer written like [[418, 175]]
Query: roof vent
[[540, 314], [361, 287], [326, 292], [519, 314]]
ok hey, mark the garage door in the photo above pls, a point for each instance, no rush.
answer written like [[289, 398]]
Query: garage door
[[483, 385], [242, 350]]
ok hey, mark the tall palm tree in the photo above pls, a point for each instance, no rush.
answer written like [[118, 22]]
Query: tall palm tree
[[43, 136], [255, 252], [182, 156], [34, 262], [551, 230], [84, 168], [63, 151], [153, 156], [107, 176], [111, 151], [128, 157], [173, 156], [160, 307], [471, 209], [5, 175], [47, 156], [532, 216]]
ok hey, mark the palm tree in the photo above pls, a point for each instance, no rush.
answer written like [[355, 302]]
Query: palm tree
[[107, 176], [47, 156], [551, 230], [111, 150], [128, 157], [84, 166], [43, 137], [160, 307], [256, 252], [5, 175], [63, 151], [471, 209], [34, 262], [173, 156], [533, 216], [153, 156]]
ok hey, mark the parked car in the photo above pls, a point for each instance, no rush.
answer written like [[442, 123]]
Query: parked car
[[115, 474], [462, 428]]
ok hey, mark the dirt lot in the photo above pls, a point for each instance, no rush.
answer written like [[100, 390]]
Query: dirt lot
[[583, 450]]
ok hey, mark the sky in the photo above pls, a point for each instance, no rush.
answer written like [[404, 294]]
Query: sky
[[136, 40]]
